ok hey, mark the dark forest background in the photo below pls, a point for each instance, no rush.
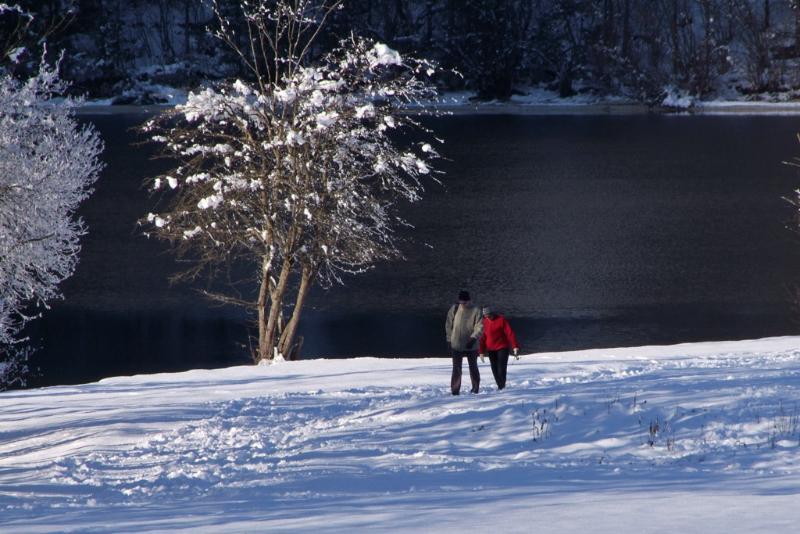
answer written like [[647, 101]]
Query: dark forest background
[[638, 49]]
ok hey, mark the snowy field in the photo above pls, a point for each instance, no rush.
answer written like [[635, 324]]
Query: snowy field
[[687, 438]]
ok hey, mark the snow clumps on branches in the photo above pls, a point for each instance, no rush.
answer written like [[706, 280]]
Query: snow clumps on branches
[[315, 156]]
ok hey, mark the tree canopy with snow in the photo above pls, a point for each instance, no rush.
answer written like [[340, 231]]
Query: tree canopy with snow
[[48, 163], [298, 170]]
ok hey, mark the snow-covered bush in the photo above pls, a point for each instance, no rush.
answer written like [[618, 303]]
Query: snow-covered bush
[[298, 170], [48, 163], [676, 99]]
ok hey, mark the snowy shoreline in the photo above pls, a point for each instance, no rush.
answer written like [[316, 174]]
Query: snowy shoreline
[[711, 108], [512, 108], [696, 437]]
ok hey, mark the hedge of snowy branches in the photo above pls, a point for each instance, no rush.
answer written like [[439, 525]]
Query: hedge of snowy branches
[[47, 166], [299, 170]]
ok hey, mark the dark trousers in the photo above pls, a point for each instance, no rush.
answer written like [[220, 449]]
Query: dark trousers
[[499, 361], [474, 373]]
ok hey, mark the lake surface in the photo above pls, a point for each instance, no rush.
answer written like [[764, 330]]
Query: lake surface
[[586, 231]]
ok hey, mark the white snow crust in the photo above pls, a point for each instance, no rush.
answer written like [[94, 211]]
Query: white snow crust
[[571, 446]]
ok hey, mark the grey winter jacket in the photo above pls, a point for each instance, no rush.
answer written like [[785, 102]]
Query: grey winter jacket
[[464, 321]]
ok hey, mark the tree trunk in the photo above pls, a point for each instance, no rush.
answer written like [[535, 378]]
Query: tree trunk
[[766, 15], [296, 348], [673, 33], [187, 25], [263, 295], [167, 50], [268, 320], [286, 345], [626, 30], [609, 24], [428, 22], [565, 82]]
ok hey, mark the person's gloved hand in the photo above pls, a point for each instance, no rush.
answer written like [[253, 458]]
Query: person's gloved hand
[[481, 355], [516, 354], [471, 343]]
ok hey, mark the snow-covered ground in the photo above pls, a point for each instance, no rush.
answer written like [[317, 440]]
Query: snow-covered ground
[[688, 438]]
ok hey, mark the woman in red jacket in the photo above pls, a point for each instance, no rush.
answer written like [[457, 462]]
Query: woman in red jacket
[[497, 340]]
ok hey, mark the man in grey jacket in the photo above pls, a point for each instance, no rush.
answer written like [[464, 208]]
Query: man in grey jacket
[[463, 328]]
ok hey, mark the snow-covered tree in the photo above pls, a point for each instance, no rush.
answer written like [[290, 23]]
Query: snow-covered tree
[[299, 171], [48, 163]]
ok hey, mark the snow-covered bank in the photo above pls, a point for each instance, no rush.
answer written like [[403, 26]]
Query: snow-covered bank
[[533, 101], [512, 107], [688, 438], [537, 101]]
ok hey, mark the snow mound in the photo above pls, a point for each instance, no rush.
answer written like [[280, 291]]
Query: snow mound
[[695, 437]]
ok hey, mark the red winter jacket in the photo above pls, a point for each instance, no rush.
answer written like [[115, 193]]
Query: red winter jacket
[[497, 334]]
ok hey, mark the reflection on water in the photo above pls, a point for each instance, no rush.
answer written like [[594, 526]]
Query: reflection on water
[[81, 345], [588, 231]]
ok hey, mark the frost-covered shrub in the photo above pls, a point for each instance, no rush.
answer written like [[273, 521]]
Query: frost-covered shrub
[[298, 171], [47, 166]]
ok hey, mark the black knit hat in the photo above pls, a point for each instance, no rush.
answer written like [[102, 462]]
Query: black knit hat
[[463, 296]]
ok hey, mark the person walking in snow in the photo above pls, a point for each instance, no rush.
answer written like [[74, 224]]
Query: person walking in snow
[[497, 339], [463, 328]]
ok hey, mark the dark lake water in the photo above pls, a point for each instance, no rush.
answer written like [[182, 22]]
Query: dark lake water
[[587, 231]]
